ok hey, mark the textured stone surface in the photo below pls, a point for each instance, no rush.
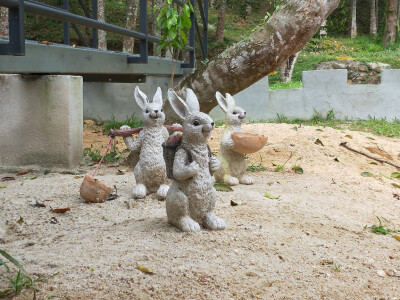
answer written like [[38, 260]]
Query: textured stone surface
[[41, 120]]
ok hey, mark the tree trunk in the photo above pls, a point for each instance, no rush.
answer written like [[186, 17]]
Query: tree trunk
[[102, 39], [219, 37], [251, 59], [4, 22], [286, 69], [131, 15], [373, 18], [353, 29], [391, 23]]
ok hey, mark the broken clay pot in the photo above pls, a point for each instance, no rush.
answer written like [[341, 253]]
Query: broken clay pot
[[93, 190]]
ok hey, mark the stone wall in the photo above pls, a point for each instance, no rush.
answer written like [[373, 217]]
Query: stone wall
[[322, 91]]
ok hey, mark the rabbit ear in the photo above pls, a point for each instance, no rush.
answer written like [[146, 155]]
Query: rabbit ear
[[230, 100], [191, 101], [141, 98], [158, 97], [178, 104], [222, 101]]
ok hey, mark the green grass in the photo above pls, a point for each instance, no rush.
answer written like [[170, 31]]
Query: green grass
[[381, 229], [113, 123], [95, 155]]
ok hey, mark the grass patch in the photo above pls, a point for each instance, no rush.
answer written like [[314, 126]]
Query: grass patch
[[378, 127], [381, 229], [131, 121], [95, 155]]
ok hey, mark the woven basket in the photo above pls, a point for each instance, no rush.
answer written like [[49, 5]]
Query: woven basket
[[169, 156]]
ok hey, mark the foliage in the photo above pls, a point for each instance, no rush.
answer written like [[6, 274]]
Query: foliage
[[131, 121], [256, 168], [381, 229], [95, 155], [20, 281], [338, 21]]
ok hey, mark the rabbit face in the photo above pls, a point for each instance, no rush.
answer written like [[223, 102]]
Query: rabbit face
[[234, 114], [197, 126], [152, 112]]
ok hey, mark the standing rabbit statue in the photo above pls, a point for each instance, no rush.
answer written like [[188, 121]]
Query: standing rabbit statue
[[233, 164], [191, 198], [149, 172]]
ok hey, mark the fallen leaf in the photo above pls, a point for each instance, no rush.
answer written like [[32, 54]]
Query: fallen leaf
[[78, 176], [46, 43], [60, 210], [396, 185], [333, 181], [270, 196], [348, 136], [222, 187], [47, 200], [120, 172], [236, 202], [294, 128], [373, 163], [47, 171], [395, 175], [20, 221], [30, 177], [7, 178], [105, 218], [144, 269], [371, 138], [298, 170], [336, 159], [3, 186], [367, 174], [386, 176], [318, 129], [397, 237], [396, 196], [23, 172], [53, 220], [318, 142]]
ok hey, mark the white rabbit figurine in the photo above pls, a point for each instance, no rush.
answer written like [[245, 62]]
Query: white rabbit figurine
[[233, 164], [150, 171], [191, 197]]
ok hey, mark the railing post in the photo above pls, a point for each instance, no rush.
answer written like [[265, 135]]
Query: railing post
[[190, 64], [205, 29], [95, 30], [66, 24], [16, 37], [143, 58]]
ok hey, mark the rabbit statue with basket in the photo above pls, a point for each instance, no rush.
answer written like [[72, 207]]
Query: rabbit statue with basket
[[191, 197], [234, 144], [150, 169]]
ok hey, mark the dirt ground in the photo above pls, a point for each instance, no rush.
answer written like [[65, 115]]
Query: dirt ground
[[309, 243]]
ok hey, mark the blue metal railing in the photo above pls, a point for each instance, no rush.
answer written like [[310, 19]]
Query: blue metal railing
[[17, 8]]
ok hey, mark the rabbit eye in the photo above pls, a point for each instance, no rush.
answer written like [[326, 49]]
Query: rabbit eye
[[196, 123], [161, 110], [147, 111], [235, 112]]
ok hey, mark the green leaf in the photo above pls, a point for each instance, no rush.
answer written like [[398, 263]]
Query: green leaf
[[12, 260], [298, 169], [367, 174], [172, 33], [396, 185], [395, 175], [386, 176], [270, 196], [222, 187], [318, 142]]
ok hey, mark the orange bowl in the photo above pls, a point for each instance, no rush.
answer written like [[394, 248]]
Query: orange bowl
[[248, 142]]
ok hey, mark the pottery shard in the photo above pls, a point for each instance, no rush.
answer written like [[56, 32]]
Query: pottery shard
[[93, 190], [248, 142]]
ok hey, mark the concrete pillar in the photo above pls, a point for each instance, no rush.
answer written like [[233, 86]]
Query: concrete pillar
[[41, 121]]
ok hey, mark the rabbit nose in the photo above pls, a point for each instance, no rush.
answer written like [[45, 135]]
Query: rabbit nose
[[156, 111], [212, 124]]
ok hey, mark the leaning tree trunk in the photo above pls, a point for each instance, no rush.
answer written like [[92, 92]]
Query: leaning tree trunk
[[373, 18], [286, 69], [102, 38], [251, 59], [391, 23], [131, 15], [353, 28], [156, 32], [4, 22], [219, 37]]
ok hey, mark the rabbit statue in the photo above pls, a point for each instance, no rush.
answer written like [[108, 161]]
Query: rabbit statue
[[233, 164], [191, 197], [149, 172]]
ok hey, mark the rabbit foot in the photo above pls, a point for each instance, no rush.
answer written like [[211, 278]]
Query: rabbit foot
[[213, 222], [230, 180], [162, 191], [246, 179], [187, 224], [139, 191]]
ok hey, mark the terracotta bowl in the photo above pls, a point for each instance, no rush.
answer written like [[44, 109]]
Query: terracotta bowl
[[248, 142], [93, 190]]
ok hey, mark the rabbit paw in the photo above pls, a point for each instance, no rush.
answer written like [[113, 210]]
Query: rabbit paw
[[193, 168], [246, 179], [230, 144], [213, 222], [187, 224], [125, 127], [139, 191], [230, 180], [162, 191], [214, 164]]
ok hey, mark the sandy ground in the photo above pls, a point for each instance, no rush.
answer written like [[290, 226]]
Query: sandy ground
[[310, 243]]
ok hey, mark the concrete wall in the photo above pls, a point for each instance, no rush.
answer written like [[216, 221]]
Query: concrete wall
[[322, 91], [103, 100], [40, 120]]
